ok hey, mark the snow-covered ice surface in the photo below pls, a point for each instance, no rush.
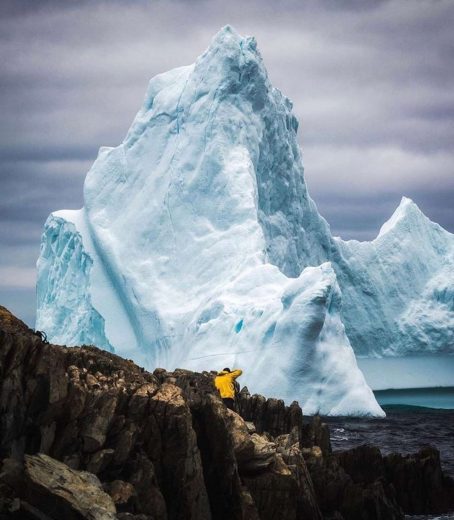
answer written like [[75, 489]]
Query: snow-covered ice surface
[[199, 247]]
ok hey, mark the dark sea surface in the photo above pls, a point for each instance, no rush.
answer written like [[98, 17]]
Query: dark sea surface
[[405, 429]]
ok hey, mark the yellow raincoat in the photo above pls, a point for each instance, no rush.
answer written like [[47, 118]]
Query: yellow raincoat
[[224, 383]]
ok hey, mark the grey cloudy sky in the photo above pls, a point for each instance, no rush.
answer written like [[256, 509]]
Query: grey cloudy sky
[[372, 85]]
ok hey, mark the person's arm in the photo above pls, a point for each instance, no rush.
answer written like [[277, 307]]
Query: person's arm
[[236, 373]]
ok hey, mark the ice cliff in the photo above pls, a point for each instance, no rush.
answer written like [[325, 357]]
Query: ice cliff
[[199, 247]]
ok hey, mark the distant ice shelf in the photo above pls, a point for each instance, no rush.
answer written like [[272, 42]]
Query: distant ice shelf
[[439, 398], [408, 372]]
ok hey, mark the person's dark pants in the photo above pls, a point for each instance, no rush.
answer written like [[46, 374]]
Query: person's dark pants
[[229, 402]]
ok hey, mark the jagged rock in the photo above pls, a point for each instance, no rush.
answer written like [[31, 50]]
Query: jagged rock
[[142, 475], [122, 493], [11, 323], [371, 501], [166, 448], [181, 464], [363, 464], [57, 490], [100, 460], [243, 443], [95, 425], [420, 484], [250, 427], [269, 415], [287, 440], [283, 491], [415, 482], [316, 433], [307, 501], [358, 497], [248, 505], [263, 455], [268, 472]]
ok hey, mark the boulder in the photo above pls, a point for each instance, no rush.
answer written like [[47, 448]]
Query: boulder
[[57, 490]]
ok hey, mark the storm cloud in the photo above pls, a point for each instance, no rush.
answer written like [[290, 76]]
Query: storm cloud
[[372, 84]]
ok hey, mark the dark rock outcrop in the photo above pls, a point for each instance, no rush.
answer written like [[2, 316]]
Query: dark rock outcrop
[[163, 446], [44, 484], [420, 484], [339, 493]]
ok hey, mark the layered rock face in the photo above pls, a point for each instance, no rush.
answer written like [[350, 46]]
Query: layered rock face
[[86, 434]]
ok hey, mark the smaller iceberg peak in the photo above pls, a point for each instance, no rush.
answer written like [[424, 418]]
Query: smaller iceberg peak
[[406, 204], [406, 209]]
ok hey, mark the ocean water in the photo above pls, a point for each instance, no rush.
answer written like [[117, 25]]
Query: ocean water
[[408, 424], [414, 418]]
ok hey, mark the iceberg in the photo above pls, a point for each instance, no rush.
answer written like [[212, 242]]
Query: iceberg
[[398, 289], [198, 246]]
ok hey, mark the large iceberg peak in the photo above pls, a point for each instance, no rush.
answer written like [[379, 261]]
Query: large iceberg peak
[[206, 248], [233, 59]]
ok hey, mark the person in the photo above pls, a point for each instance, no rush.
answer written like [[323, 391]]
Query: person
[[225, 383]]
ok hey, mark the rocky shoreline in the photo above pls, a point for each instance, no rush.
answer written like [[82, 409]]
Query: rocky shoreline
[[85, 434]]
